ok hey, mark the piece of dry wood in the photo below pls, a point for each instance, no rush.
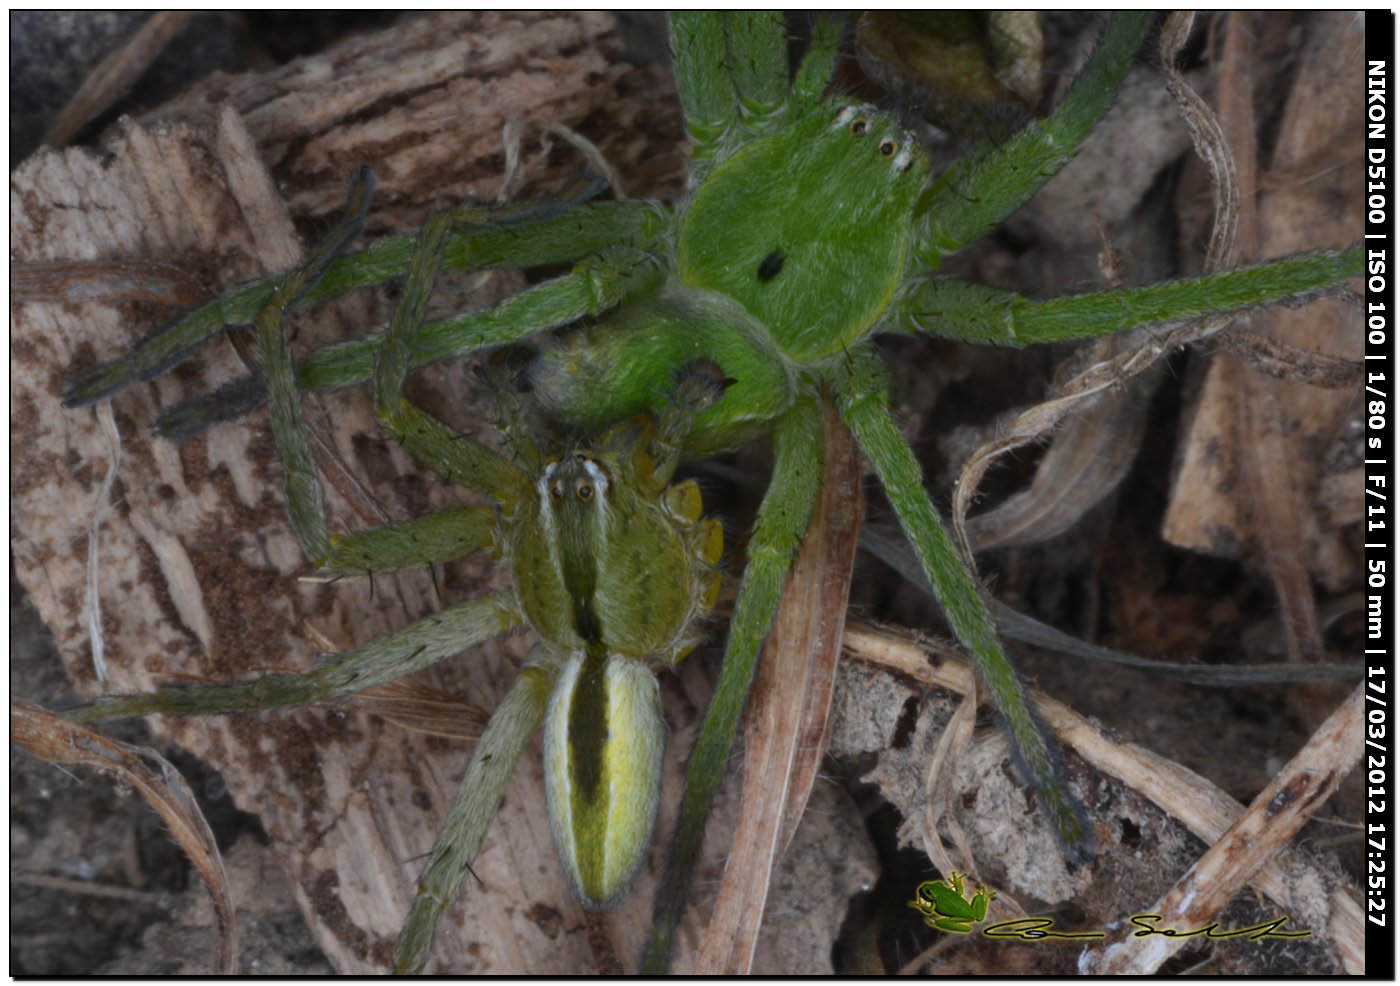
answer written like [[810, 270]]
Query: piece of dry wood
[[424, 104]]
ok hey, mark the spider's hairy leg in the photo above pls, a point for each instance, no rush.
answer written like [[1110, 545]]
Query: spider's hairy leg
[[417, 542], [818, 65], [306, 500], [456, 457], [861, 398], [977, 193], [699, 386], [386, 659], [757, 66], [513, 237], [727, 64], [597, 284], [954, 309], [433, 539], [778, 530], [478, 797]]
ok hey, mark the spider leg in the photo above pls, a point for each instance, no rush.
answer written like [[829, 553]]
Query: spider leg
[[977, 193], [861, 398], [306, 499], [428, 540], [508, 237], [728, 65], [814, 74], [478, 798], [597, 284], [698, 385], [782, 520], [456, 457], [419, 644], [388, 658], [438, 537], [953, 309]]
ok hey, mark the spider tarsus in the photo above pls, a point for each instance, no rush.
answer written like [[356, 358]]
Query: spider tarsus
[[191, 418]]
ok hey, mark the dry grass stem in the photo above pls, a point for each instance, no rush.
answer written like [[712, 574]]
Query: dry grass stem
[[788, 709], [115, 74], [57, 741]]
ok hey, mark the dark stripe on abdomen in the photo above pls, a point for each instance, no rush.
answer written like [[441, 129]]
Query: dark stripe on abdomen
[[588, 725]]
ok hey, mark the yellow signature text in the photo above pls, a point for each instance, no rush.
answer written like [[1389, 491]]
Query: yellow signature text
[[1034, 929], [1147, 923], [1043, 929]]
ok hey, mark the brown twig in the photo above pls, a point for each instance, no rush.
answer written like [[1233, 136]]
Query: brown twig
[[115, 74], [57, 741], [1265, 828]]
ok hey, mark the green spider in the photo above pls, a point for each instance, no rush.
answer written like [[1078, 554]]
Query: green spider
[[812, 226]]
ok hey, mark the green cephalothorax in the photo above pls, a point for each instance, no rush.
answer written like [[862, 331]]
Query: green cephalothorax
[[604, 559], [810, 224], [815, 219]]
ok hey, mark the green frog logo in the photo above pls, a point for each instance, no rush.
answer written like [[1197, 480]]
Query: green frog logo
[[944, 907]]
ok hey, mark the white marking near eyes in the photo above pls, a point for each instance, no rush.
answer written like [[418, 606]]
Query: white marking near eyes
[[846, 115], [600, 478], [903, 159], [546, 507]]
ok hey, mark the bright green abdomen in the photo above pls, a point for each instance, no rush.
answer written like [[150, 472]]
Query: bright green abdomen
[[609, 370]]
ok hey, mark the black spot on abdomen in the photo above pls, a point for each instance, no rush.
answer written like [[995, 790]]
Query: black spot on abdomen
[[770, 265]]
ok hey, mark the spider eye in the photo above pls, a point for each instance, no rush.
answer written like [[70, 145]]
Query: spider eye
[[584, 491], [888, 147], [859, 125], [556, 491]]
